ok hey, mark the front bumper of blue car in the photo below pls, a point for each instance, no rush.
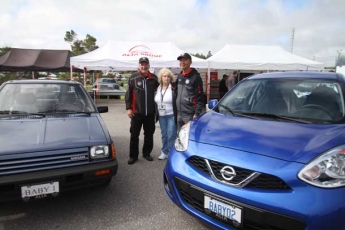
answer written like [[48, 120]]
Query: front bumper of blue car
[[296, 206]]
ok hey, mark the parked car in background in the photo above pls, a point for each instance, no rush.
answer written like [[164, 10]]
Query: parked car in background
[[110, 82], [52, 139], [269, 155]]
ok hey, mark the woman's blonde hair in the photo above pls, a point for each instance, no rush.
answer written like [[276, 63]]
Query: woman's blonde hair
[[164, 71]]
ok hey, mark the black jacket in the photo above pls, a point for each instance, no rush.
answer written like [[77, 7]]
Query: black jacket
[[223, 89], [140, 94], [190, 94]]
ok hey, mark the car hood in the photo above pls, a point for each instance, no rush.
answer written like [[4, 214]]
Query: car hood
[[284, 140], [40, 134]]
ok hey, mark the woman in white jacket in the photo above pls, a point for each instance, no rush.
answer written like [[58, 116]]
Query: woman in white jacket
[[166, 106]]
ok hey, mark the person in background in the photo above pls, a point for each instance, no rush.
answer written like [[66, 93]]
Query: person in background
[[141, 109], [223, 89], [190, 93], [166, 105], [231, 82]]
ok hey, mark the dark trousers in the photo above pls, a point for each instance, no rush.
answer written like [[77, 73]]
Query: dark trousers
[[148, 123]]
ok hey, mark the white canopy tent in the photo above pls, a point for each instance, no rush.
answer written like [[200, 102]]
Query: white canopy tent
[[254, 59], [124, 55], [261, 58]]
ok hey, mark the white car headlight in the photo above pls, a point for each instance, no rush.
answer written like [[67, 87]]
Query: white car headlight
[[99, 151], [326, 171], [181, 142]]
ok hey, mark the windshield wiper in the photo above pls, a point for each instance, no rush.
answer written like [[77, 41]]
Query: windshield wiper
[[20, 113], [65, 111], [227, 109], [36, 114], [269, 115], [5, 112]]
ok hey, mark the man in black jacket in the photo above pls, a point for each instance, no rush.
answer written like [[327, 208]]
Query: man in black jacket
[[140, 106], [190, 93], [223, 89]]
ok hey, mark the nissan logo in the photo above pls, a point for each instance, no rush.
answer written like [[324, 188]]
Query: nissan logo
[[228, 173]]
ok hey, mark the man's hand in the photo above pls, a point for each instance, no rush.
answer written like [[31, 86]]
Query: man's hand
[[130, 113]]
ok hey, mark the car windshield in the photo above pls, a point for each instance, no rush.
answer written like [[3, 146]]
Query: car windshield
[[312, 100], [44, 98], [107, 80]]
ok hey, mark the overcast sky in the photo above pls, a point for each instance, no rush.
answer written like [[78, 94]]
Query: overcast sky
[[196, 26]]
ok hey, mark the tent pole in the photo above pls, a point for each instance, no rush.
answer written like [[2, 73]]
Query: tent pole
[[71, 74], [94, 92], [208, 80], [85, 77]]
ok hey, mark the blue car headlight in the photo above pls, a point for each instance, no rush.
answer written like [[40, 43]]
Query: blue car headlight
[[99, 151], [326, 171], [181, 142]]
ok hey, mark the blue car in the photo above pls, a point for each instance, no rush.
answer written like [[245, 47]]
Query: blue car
[[269, 155], [52, 140]]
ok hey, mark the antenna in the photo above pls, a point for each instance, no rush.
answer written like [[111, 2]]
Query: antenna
[[292, 40]]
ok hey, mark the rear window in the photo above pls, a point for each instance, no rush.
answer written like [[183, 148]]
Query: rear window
[[106, 80]]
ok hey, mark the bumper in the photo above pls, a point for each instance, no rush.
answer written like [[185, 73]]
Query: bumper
[[302, 207], [69, 178]]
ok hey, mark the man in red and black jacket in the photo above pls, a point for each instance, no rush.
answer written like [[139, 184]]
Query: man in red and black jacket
[[190, 94], [140, 106]]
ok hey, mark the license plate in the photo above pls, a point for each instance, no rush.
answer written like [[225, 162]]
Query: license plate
[[224, 211], [40, 189]]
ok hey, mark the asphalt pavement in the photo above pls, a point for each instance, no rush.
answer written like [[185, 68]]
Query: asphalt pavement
[[135, 199]]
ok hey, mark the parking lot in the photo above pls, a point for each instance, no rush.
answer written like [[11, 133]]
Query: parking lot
[[135, 199]]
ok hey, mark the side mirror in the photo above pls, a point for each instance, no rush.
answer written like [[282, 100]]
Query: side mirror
[[212, 103], [102, 109]]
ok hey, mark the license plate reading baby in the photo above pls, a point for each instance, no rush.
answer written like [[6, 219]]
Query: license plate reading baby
[[223, 210], [40, 189]]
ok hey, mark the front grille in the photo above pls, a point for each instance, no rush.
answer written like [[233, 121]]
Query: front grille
[[253, 218], [263, 181], [36, 161], [199, 162], [241, 174]]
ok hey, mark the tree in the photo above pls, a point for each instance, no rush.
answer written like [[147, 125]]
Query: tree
[[4, 49], [79, 47], [202, 56], [199, 55], [209, 54]]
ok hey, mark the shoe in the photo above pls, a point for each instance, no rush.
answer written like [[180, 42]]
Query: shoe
[[131, 161], [149, 158], [163, 156]]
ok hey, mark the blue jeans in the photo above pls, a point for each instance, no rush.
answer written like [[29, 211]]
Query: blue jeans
[[168, 131]]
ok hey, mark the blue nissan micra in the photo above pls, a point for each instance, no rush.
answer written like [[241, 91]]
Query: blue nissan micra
[[269, 155]]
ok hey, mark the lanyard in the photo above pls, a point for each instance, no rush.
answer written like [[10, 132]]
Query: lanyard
[[162, 94]]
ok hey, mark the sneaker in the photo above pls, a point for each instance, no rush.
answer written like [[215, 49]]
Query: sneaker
[[131, 161], [163, 156], [149, 158]]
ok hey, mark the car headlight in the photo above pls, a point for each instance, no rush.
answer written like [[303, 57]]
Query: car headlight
[[327, 171], [99, 151], [181, 142]]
